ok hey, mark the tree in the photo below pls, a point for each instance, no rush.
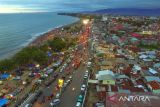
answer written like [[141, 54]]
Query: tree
[[57, 44], [7, 65], [30, 55]]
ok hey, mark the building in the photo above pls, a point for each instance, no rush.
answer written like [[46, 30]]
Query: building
[[154, 86], [106, 77]]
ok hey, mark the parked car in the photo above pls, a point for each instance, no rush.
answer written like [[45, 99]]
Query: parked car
[[61, 70], [65, 85], [28, 105], [31, 75], [68, 81], [17, 78], [85, 76], [83, 87], [80, 98], [55, 102], [89, 64], [78, 104], [57, 95], [49, 71], [70, 77], [99, 105]]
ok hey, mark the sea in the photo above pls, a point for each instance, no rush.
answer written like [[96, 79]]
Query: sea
[[19, 29]]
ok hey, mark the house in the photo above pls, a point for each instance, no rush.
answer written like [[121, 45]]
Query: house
[[154, 86], [106, 77], [157, 65], [152, 71], [136, 68], [151, 78]]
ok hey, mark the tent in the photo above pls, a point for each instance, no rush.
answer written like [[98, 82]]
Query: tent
[[136, 35], [4, 76], [3, 102]]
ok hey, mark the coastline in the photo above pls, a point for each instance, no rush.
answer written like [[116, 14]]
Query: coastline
[[49, 35]]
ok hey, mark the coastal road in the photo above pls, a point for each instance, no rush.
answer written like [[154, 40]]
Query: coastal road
[[69, 96]]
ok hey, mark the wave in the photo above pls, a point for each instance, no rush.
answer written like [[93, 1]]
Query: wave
[[34, 36]]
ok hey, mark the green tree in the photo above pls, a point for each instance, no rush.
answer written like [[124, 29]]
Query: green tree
[[7, 65], [30, 55], [57, 44]]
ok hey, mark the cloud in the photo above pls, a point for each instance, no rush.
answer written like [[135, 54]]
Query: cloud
[[19, 9], [75, 5]]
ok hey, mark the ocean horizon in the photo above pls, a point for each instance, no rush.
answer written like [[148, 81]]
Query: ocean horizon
[[17, 30]]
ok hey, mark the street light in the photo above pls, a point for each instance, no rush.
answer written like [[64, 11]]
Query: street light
[[85, 21]]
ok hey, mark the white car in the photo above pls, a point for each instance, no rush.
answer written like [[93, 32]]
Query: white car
[[57, 95], [83, 87], [70, 77], [89, 64], [78, 104], [62, 69], [68, 81], [55, 102], [86, 72], [85, 76]]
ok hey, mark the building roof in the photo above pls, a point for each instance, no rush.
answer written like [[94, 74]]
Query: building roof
[[104, 77], [93, 81], [152, 78], [157, 65], [152, 71], [122, 76], [154, 85], [136, 68], [106, 72]]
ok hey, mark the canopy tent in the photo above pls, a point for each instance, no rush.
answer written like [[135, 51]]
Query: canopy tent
[[143, 56], [133, 39], [3, 102], [4, 76], [136, 35]]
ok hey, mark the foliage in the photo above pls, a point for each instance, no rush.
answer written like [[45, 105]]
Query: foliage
[[30, 55], [57, 44], [7, 64], [151, 47]]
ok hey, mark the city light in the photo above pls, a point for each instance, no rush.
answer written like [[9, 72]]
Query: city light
[[85, 21]]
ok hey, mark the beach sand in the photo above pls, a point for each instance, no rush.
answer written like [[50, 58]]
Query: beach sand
[[50, 35]]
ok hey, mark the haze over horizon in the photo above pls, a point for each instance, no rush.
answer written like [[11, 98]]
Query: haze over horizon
[[16, 6]]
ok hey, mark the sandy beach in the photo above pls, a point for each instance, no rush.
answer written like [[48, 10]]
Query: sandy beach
[[58, 31]]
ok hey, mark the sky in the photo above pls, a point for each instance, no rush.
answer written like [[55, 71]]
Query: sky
[[14, 6]]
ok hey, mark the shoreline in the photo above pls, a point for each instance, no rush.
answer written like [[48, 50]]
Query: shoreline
[[48, 35]]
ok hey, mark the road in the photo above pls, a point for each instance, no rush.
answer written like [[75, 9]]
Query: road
[[69, 96]]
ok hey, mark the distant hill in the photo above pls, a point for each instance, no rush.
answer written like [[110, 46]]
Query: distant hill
[[128, 11]]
